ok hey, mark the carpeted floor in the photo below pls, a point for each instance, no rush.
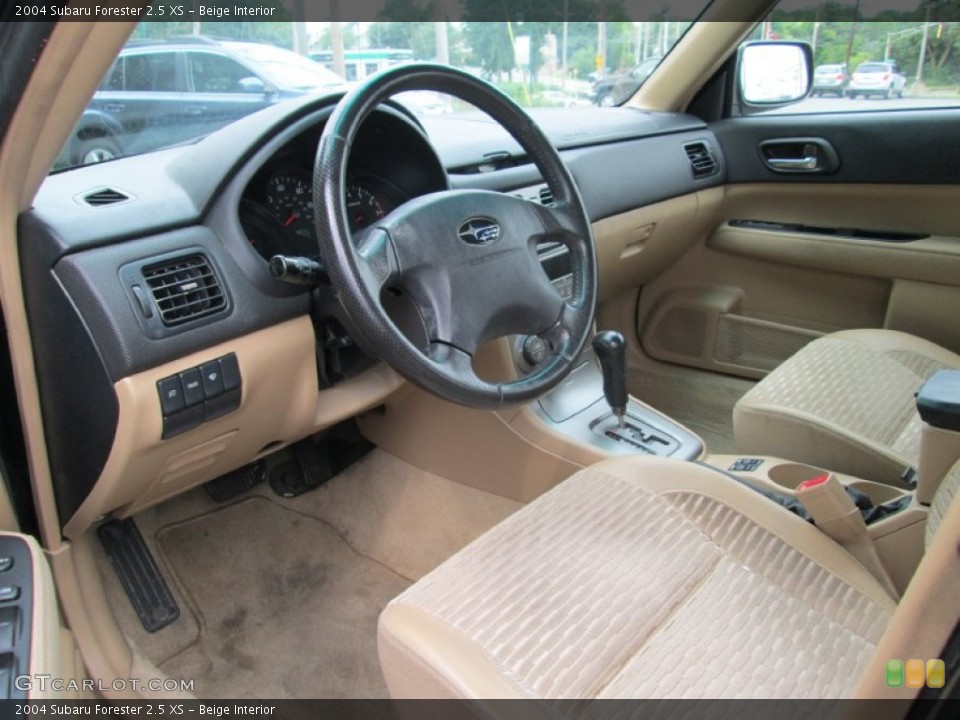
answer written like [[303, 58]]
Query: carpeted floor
[[280, 598], [701, 400]]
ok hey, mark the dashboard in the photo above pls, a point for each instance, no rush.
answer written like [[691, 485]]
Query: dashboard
[[141, 271]]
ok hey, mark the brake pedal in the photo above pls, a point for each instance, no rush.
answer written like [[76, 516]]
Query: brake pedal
[[138, 573], [233, 484]]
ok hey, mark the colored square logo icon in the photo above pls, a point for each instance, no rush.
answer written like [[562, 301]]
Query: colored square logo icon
[[936, 673], [894, 673], [916, 673]]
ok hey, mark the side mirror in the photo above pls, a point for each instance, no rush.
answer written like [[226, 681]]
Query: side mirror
[[774, 72], [255, 86]]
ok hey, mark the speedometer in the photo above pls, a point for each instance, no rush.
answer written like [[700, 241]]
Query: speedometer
[[289, 198]]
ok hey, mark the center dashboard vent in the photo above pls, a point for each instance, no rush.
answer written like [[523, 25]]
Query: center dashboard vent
[[546, 197], [184, 289], [701, 159], [104, 196]]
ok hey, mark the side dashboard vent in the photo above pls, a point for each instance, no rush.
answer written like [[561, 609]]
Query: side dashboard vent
[[701, 159], [546, 197], [105, 196], [185, 289]]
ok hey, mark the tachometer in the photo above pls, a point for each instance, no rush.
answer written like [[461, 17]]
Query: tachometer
[[363, 207]]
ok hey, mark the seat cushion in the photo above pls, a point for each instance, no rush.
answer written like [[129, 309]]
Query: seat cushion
[[844, 402], [638, 577]]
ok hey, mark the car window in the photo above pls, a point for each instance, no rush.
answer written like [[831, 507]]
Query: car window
[[114, 78], [908, 64], [150, 72], [538, 64], [212, 73]]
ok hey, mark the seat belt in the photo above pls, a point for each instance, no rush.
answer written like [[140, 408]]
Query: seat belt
[[836, 514]]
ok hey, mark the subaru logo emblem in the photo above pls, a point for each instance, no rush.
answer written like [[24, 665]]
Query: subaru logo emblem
[[479, 231]]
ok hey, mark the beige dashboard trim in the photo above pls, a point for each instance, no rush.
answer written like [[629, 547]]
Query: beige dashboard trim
[[281, 403]]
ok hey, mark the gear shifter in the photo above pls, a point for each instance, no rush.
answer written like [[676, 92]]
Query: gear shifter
[[611, 350]]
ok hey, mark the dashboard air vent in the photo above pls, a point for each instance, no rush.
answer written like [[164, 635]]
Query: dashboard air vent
[[184, 289], [546, 197], [701, 159], [105, 196]]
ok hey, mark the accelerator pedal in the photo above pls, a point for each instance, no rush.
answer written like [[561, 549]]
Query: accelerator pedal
[[138, 573], [309, 468]]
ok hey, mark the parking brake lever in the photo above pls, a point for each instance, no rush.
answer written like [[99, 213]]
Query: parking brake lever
[[611, 350]]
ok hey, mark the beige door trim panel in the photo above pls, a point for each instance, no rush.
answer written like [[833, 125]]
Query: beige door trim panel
[[281, 403], [932, 259]]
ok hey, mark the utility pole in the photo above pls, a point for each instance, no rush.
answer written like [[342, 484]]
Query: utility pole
[[299, 29], [923, 46], [336, 42], [601, 49], [563, 46], [853, 30], [440, 26]]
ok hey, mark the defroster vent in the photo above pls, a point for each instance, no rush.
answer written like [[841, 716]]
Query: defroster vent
[[184, 289], [701, 159]]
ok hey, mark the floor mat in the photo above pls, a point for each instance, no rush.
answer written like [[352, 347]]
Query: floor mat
[[701, 400], [406, 518], [285, 607]]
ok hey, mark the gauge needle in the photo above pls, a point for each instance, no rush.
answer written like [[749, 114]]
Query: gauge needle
[[290, 220]]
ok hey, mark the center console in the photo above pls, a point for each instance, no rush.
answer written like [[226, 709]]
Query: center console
[[592, 406]]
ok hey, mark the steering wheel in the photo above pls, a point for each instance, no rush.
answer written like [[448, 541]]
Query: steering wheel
[[467, 258]]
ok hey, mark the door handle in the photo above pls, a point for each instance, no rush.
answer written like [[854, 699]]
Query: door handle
[[799, 155], [809, 163]]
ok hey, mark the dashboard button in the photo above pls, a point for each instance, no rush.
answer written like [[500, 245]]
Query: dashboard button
[[182, 421], [171, 395], [221, 405], [231, 371], [212, 379], [192, 387]]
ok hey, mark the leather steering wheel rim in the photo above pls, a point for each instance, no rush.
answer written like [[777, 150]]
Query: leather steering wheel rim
[[444, 249]]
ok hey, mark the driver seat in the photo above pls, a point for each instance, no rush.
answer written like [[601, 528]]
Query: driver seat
[[645, 577]]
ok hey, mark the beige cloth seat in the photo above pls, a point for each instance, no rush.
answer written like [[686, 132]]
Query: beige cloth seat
[[642, 577], [844, 402]]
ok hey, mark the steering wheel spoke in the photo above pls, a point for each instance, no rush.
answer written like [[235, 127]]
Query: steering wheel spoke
[[379, 264]]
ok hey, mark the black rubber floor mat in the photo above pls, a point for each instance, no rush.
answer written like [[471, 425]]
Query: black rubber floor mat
[[139, 575]]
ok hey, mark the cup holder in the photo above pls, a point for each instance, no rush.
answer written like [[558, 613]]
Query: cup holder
[[791, 475], [878, 494]]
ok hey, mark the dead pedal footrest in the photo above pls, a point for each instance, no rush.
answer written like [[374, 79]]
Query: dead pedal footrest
[[138, 573]]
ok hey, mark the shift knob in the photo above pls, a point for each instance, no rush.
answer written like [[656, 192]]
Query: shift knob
[[611, 350]]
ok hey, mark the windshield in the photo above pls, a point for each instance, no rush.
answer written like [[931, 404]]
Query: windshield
[[176, 82], [285, 68]]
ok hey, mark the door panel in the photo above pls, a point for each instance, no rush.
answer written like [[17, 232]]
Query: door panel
[[875, 243]]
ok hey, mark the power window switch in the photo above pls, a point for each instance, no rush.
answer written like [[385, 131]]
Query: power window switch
[[5, 564], [9, 593]]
